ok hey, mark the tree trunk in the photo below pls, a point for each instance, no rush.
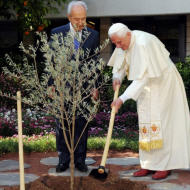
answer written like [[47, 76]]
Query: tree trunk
[[72, 163], [72, 167]]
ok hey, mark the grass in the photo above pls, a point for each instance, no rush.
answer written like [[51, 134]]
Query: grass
[[98, 143], [47, 143]]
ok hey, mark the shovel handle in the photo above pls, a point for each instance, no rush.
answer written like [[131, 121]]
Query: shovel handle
[[110, 129]]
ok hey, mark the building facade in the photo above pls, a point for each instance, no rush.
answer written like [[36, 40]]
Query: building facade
[[169, 20]]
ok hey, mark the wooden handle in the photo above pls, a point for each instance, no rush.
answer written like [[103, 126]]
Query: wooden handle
[[21, 157], [110, 129]]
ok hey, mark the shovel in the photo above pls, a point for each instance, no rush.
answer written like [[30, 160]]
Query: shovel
[[101, 173]]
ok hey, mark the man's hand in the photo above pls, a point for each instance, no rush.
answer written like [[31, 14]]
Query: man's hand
[[115, 83], [117, 104], [94, 93]]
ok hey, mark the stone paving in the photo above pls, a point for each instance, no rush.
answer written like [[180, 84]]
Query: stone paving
[[52, 161], [168, 186], [129, 175], [52, 172], [6, 165], [11, 179], [128, 161]]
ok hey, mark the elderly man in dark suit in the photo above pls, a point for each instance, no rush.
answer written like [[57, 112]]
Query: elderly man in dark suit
[[76, 13]]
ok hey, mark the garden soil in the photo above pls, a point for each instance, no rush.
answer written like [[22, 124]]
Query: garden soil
[[46, 182]]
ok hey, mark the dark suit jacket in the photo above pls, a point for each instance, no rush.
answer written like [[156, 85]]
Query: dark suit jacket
[[92, 42]]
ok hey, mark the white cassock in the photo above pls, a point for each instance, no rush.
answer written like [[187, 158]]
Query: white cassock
[[164, 118]]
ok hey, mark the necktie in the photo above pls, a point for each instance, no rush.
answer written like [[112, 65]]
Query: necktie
[[76, 44]]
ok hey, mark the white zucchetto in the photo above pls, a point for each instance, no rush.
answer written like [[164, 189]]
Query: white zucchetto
[[116, 28]]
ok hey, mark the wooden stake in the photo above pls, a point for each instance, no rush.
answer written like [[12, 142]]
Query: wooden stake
[[21, 157]]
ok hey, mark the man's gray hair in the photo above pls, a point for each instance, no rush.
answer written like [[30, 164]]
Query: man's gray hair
[[76, 3], [119, 29]]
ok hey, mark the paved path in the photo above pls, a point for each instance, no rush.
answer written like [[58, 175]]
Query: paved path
[[54, 160], [7, 165], [11, 179]]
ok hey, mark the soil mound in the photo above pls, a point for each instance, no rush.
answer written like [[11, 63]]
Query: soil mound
[[82, 183]]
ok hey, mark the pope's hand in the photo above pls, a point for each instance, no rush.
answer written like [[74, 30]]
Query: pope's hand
[[116, 82], [117, 104]]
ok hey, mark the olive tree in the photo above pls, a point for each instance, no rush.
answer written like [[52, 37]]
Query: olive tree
[[73, 81]]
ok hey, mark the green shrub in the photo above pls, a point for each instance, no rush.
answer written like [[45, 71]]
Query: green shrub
[[35, 143], [8, 145], [184, 70], [38, 143], [107, 94], [98, 143]]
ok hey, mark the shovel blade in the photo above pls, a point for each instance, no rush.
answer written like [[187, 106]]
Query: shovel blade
[[98, 175]]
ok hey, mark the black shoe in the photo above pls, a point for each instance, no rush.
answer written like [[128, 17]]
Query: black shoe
[[61, 167], [81, 167]]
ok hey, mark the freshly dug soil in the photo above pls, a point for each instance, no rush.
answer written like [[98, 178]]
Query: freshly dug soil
[[82, 183], [46, 182]]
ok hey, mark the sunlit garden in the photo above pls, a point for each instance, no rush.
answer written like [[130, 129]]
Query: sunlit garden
[[39, 131], [39, 127]]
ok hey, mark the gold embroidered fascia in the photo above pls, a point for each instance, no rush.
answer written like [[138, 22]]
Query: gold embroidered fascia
[[150, 137]]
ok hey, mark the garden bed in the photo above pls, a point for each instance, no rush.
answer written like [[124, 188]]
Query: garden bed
[[46, 182], [82, 183]]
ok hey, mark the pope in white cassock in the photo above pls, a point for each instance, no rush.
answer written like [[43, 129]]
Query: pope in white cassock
[[164, 118]]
